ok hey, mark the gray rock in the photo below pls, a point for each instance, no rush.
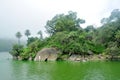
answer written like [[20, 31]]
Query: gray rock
[[74, 57], [47, 54]]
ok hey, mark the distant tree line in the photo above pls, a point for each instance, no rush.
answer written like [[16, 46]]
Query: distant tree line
[[6, 44]]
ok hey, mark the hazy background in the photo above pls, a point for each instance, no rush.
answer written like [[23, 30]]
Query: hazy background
[[19, 15]]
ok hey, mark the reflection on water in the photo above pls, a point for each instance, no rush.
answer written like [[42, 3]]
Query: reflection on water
[[29, 70]]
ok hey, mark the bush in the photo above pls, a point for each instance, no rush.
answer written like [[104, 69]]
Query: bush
[[16, 50]]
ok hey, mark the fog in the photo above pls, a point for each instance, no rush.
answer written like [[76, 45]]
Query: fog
[[19, 15]]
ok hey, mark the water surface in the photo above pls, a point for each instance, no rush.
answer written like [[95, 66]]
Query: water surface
[[29, 70]]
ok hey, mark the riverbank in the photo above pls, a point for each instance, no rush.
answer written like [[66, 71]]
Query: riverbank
[[76, 58], [95, 57], [87, 58], [51, 54]]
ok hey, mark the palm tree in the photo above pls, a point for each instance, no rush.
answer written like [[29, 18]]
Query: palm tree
[[18, 35], [40, 34], [27, 33]]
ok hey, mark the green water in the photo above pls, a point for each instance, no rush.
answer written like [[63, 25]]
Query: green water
[[29, 70]]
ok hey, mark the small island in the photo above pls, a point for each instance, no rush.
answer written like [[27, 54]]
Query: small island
[[67, 40]]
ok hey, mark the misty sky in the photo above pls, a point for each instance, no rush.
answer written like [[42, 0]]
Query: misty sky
[[19, 15]]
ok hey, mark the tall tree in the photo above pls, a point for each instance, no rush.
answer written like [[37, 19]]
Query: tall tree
[[63, 22], [40, 34], [16, 51], [18, 35], [115, 16], [89, 28], [27, 33], [111, 25]]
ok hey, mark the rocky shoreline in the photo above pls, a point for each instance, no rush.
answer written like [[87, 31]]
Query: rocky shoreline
[[52, 54]]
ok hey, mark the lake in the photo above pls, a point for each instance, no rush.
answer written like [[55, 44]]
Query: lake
[[30, 70]]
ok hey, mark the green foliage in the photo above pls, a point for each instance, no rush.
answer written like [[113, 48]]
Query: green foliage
[[62, 22], [33, 47], [89, 28], [97, 48], [73, 42], [113, 50], [110, 30], [31, 39], [16, 50], [25, 54], [31, 50], [117, 36]]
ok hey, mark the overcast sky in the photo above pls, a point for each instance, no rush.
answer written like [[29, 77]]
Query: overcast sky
[[19, 15]]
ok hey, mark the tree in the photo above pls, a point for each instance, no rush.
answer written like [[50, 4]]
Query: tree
[[27, 33], [40, 34], [113, 50], [18, 35], [90, 32], [109, 27], [63, 22], [115, 16], [73, 42], [89, 28], [117, 37], [31, 40], [16, 51]]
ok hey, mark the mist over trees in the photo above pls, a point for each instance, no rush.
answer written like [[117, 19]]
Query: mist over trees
[[18, 35], [27, 33], [6, 45]]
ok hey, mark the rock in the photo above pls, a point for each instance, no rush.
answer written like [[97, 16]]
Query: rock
[[77, 59], [74, 57], [47, 54], [90, 52], [84, 60], [30, 59], [19, 58]]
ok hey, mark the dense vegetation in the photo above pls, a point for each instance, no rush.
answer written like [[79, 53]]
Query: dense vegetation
[[66, 34]]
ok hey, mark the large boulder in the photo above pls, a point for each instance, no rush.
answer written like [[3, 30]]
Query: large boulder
[[47, 54]]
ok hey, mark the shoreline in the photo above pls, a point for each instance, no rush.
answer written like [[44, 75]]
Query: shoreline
[[79, 58]]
